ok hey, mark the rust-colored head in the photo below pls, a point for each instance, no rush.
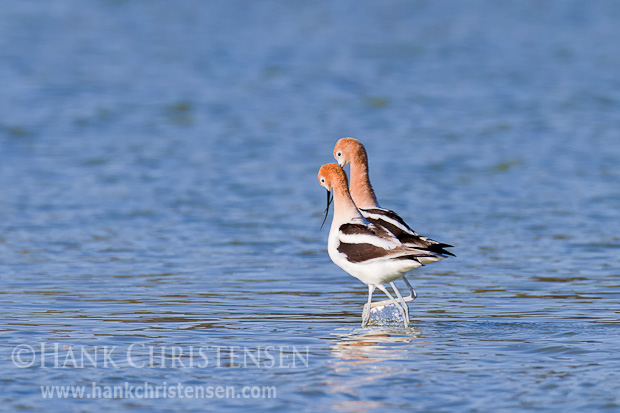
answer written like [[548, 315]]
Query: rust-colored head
[[332, 176], [349, 150]]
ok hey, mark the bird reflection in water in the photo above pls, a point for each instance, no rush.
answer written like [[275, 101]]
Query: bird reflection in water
[[375, 344], [370, 356]]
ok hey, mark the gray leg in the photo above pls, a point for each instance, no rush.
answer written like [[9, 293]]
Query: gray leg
[[402, 303], [412, 294], [386, 292], [366, 312]]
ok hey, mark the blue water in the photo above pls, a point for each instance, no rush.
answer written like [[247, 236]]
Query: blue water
[[159, 196]]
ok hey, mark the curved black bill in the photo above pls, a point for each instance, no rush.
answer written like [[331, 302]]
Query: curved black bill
[[329, 202]]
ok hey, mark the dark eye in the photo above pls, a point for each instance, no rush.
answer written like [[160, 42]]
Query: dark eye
[[339, 154], [322, 180]]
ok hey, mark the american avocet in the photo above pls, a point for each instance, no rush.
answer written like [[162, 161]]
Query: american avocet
[[351, 151], [368, 252]]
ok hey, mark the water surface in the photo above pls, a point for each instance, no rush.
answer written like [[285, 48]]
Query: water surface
[[158, 175]]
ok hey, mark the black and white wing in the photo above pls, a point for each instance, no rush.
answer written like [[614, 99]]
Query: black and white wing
[[361, 243], [393, 223]]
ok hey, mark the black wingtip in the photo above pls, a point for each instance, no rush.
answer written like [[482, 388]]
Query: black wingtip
[[440, 248]]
